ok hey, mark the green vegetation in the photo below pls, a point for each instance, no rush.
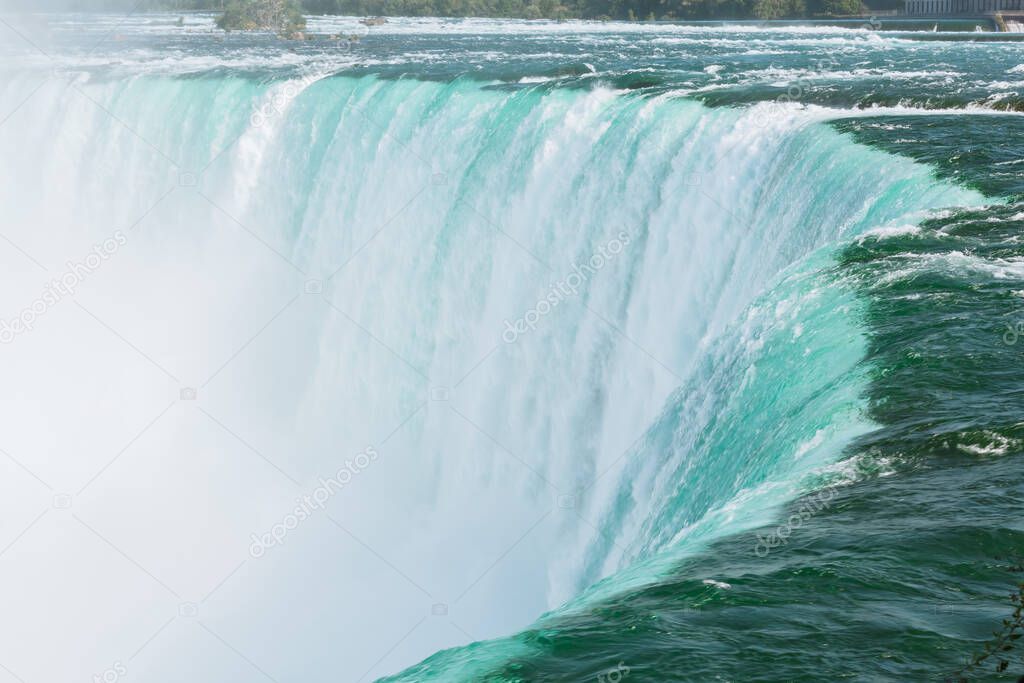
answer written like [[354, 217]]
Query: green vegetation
[[529, 9], [284, 17], [1003, 647], [592, 9], [240, 14]]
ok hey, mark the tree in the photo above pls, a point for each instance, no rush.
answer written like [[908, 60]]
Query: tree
[[778, 9], [842, 7], [284, 17], [1002, 648]]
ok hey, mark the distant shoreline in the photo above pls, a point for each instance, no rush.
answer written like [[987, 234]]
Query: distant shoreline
[[875, 19], [955, 23]]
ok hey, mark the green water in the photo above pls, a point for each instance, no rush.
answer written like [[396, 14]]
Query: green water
[[776, 439]]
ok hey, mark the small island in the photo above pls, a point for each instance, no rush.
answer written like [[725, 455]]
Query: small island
[[283, 17]]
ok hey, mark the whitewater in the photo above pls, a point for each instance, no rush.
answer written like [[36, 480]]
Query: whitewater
[[424, 340]]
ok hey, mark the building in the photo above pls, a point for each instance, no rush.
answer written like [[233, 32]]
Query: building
[[971, 7]]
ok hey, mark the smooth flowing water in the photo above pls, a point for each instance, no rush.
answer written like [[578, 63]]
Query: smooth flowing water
[[525, 351]]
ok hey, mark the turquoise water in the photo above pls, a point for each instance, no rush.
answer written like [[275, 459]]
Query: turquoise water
[[690, 352]]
